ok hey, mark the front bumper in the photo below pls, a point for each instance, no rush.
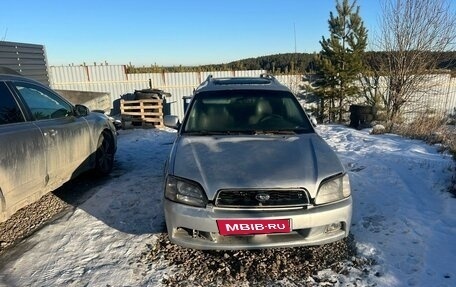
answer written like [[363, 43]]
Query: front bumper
[[194, 227]]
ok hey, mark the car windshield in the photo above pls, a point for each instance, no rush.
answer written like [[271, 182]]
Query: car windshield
[[246, 111]]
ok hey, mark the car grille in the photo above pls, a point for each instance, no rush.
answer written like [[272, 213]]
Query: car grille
[[262, 198]]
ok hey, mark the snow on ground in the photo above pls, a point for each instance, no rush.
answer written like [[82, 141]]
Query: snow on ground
[[403, 218], [97, 244]]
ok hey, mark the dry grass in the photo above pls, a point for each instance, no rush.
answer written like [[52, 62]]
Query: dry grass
[[431, 128], [434, 129]]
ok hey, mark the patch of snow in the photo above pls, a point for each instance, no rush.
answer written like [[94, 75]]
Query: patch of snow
[[378, 129], [403, 217]]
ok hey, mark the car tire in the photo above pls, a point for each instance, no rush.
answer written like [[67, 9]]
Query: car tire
[[104, 155]]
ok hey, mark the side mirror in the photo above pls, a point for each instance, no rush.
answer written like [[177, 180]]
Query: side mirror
[[313, 120], [171, 122], [81, 110]]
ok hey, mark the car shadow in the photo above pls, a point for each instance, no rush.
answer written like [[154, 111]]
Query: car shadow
[[130, 198]]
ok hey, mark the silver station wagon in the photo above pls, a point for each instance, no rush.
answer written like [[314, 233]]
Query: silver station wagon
[[247, 170]]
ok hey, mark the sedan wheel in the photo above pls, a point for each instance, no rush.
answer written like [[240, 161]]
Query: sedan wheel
[[104, 154]]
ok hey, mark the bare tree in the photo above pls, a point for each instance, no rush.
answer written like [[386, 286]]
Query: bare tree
[[413, 34]]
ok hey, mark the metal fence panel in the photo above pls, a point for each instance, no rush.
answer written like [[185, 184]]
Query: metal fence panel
[[65, 76], [107, 73], [157, 79], [451, 102], [293, 82], [114, 80], [436, 94], [27, 59]]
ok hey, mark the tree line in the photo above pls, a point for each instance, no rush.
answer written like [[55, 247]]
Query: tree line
[[286, 63], [277, 64]]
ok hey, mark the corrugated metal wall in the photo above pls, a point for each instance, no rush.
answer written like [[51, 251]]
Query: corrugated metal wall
[[115, 80], [293, 82], [27, 59], [440, 96], [436, 93]]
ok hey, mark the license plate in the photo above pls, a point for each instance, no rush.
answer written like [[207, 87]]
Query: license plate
[[253, 226]]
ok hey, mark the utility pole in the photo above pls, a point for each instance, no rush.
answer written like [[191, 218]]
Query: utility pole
[[295, 50], [294, 30], [6, 33]]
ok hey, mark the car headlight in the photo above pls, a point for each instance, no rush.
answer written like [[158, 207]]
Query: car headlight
[[184, 191], [333, 190]]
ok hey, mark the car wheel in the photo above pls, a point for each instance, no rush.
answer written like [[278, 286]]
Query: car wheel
[[104, 157]]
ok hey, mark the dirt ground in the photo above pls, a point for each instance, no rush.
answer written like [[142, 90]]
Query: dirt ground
[[50, 207]]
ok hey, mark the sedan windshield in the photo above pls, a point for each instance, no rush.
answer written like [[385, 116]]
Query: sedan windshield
[[246, 111]]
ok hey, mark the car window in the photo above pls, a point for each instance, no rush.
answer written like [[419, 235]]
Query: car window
[[9, 109], [42, 103], [246, 111]]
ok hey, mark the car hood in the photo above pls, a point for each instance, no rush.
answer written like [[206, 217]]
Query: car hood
[[269, 161]]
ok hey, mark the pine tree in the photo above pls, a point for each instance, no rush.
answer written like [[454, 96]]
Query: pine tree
[[341, 58]]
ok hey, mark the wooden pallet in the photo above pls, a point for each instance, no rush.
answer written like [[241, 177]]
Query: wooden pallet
[[148, 111]]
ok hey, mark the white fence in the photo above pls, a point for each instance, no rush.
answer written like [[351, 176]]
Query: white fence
[[115, 80], [436, 93]]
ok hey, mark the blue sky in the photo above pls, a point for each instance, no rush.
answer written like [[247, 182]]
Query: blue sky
[[145, 32]]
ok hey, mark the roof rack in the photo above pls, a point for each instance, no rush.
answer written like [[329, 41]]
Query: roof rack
[[268, 76], [216, 83]]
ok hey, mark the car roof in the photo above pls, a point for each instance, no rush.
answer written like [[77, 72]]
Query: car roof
[[14, 77], [8, 71], [263, 82]]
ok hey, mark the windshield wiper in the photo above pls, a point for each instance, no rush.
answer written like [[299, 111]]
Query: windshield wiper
[[275, 132], [210, 133], [300, 130], [248, 132], [283, 132]]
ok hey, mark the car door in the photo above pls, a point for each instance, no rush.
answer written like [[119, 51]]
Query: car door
[[66, 136], [22, 156]]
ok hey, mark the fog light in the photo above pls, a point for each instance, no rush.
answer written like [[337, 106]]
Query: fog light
[[333, 227]]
